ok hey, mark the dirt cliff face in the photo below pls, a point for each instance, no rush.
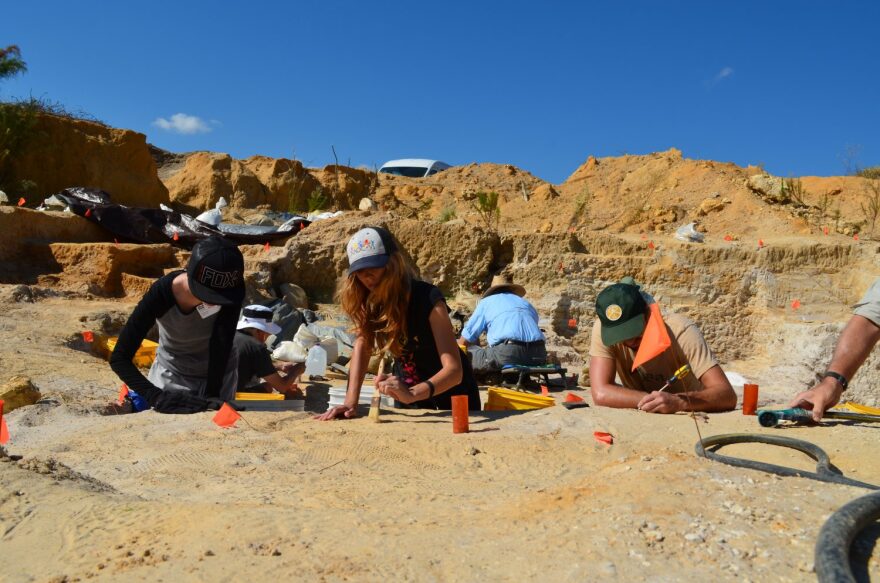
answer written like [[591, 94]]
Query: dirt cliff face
[[66, 152]]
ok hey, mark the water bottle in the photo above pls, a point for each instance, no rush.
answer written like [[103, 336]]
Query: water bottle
[[316, 361]]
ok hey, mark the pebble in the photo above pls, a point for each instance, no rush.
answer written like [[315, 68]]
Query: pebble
[[694, 537]]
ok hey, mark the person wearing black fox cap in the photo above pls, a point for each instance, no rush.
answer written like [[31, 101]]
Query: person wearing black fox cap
[[196, 312]]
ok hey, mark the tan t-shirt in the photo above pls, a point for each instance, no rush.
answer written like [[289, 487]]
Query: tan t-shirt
[[869, 306], [688, 347]]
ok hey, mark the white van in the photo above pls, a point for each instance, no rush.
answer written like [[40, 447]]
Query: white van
[[413, 167]]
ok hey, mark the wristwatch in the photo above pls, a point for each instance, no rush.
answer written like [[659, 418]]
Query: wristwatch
[[836, 376]]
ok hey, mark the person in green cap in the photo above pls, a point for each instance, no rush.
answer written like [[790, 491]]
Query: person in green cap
[[622, 311]]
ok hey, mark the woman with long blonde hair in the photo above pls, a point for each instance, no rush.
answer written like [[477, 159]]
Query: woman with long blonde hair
[[396, 313]]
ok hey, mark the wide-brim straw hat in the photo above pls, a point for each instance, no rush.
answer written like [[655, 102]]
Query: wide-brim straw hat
[[501, 284]]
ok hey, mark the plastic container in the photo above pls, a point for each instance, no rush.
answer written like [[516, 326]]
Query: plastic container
[[259, 396], [331, 346], [508, 400], [337, 397], [750, 399], [316, 361], [143, 358], [460, 414]]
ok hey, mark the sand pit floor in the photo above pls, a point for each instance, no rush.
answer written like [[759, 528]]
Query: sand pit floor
[[523, 496]]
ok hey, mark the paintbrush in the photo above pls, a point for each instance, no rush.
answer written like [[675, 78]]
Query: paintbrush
[[374, 402]]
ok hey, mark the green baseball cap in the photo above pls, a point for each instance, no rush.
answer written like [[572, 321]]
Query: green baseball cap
[[621, 309]]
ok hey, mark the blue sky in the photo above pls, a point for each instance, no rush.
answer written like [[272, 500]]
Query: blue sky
[[792, 85]]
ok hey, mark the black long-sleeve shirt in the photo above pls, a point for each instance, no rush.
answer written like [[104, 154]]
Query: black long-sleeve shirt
[[155, 303]]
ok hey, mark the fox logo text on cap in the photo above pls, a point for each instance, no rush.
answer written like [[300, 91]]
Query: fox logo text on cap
[[369, 247], [217, 279]]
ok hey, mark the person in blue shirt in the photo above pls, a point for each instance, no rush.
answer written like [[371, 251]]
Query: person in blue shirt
[[511, 326]]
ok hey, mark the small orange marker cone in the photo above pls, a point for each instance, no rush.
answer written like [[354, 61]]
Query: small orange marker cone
[[795, 304], [123, 393], [572, 323], [760, 243], [88, 336], [561, 266], [825, 230], [856, 237], [226, 416], [603, 437], [545, 391], [651, 245], [4, 431], [302, 226], [572, 398], [728, 238], [21, 201], [266, 247], [176, 237]]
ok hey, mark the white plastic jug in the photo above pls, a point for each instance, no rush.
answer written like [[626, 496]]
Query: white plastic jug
[[316, 361]]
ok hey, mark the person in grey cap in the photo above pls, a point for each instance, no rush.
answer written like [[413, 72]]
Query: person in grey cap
[[195, 311], [394, 311], [852, 349], [254, 360]]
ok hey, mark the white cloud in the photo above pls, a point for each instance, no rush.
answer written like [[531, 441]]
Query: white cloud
[[724, 74], [181, 123]]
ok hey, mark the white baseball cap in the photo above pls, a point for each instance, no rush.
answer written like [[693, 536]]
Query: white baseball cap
[[259, 317], [369, 247]]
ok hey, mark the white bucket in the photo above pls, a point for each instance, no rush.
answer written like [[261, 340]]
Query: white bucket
[[337, 397]]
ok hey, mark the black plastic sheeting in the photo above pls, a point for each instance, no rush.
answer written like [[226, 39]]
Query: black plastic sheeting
[[147, 225]]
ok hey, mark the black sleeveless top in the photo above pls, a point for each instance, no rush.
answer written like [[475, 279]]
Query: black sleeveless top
[[420, 360]]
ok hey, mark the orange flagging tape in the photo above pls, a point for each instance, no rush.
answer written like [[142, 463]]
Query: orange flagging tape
[[226, 416], [572, 323], [266, 246], [572, 398], [760, 243], [728, 238], [825, 230], [176, 237], [123, 393], [651, 245], [4, 431], [88, 212], [603, 437], [545, 391], [21, 201], [88, 336], [795, 304]]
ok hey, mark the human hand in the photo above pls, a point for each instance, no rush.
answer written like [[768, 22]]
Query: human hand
[[392, 386], [294, 392], [293, 368], [661, 402], [820, 398], [338, 412]]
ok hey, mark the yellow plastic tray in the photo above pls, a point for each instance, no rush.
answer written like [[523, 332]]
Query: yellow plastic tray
[[143, 358], [855, 407], [259, 397], [508, 400]]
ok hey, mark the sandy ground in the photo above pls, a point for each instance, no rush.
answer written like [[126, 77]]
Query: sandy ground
[[523, 496]]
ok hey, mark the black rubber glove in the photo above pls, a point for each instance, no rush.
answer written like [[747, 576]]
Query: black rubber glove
[[179, 401]]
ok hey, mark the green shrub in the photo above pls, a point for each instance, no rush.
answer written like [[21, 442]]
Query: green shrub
[[871, 172], [486, 205], [317, 201], [447, 214]]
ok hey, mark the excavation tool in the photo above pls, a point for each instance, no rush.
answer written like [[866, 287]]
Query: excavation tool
[[772, 417], [679, 374], [377, 396]]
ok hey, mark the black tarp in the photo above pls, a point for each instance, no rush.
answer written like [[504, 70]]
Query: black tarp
[[146, 225]]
